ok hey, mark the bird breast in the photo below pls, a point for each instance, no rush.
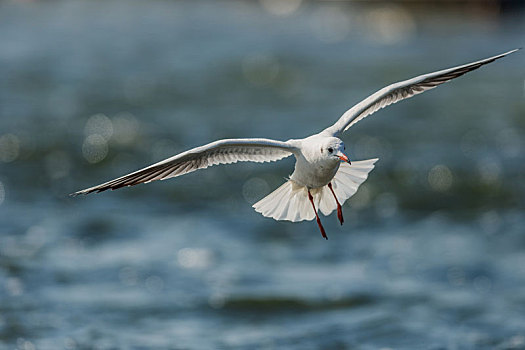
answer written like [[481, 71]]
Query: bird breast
[[314, 173]]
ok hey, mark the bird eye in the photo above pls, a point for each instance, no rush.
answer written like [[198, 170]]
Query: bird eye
[[330, 149]]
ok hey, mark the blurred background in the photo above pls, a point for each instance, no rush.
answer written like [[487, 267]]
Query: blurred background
[[432, 252]]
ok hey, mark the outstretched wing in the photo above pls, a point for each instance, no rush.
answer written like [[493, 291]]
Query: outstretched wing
[[402, 90], [218, 152]]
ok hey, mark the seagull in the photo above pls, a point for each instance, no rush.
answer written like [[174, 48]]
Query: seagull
[[324, 177]]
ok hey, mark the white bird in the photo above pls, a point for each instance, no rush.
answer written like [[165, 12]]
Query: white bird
[[323, 179]]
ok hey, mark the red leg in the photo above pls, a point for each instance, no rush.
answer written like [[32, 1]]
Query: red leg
[[317, 216], [339, 209]]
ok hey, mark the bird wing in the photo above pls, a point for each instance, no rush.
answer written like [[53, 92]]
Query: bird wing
[[399, 91], [219, 152]]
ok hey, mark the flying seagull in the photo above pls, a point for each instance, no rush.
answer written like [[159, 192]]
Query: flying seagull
[[323, 179]]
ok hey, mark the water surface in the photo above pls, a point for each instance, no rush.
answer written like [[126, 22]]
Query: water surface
[[431, 255]]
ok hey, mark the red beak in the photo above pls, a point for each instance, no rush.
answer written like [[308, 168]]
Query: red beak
[[344, 158]]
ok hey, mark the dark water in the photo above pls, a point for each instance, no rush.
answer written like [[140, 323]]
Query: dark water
[[432, 253]]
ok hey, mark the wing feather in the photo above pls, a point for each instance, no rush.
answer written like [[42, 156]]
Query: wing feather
[[215, 153], [403, 90]]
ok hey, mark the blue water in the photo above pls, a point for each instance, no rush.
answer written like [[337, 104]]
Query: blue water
[[432, 252]]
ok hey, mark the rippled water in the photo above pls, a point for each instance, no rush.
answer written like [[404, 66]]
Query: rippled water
[[432, 253]]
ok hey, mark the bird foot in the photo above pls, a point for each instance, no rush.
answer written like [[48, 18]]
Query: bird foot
[[323, 232], [340, 214], [339, 209]]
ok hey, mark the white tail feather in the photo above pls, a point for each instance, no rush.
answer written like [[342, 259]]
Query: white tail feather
[[290, 201]]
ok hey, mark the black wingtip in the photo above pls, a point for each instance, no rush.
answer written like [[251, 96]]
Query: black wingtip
[[75, 194], [511, 51]]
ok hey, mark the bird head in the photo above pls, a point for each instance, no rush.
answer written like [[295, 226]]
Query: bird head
[[334, 149]]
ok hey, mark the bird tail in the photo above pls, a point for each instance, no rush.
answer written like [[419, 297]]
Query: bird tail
[[290, 201]]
